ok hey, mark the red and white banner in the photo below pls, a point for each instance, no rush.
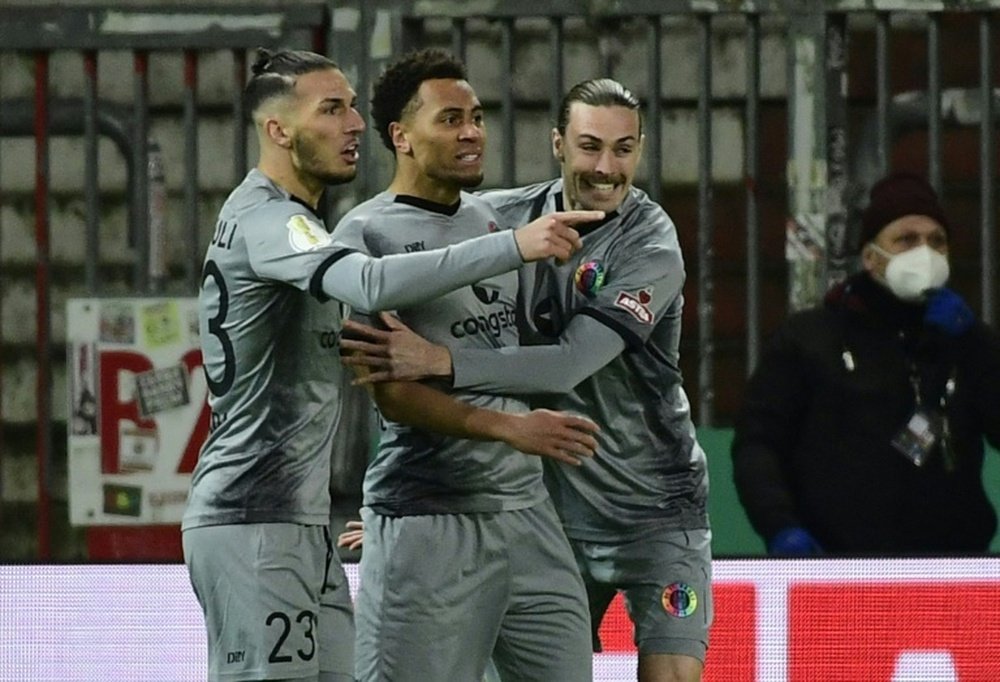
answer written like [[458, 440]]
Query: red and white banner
[[874, 620], [137, 409], [934, 620]]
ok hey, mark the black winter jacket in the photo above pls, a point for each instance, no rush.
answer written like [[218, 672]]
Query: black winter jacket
[[813, 441]]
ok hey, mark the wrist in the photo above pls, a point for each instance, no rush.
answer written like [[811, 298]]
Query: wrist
[[517, 245], [485, 424], [441, 364]]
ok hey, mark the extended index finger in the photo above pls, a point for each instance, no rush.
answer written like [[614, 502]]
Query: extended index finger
[[574, 217]]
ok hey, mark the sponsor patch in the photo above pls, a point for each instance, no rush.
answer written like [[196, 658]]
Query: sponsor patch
[[636, 305], [679, 599], [589, 278], [305, 234]]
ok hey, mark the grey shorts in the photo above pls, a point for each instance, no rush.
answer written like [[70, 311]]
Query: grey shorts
[[442, 593], [666, 580], [276, 602]]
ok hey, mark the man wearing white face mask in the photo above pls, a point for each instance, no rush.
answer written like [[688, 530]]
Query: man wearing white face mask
[[862, 428]]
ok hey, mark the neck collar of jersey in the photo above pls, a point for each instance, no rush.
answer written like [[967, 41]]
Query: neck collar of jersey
[[304, 204], [428, 205], [257, 175]]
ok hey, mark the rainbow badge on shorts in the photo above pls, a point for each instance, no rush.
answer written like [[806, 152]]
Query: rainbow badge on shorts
[[679, 599], [589, 278]]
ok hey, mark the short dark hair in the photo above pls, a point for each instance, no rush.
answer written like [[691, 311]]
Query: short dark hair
[[597, 92], [273, 74], [395, 88]]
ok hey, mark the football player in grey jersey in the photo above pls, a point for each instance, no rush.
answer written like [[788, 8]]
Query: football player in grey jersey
[[256, 530], [464, 554], [600, 337]]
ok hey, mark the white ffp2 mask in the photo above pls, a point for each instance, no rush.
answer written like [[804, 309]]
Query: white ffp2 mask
[[911, 273]]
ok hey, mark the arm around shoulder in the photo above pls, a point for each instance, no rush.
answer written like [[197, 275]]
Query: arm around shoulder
[[584, 347]]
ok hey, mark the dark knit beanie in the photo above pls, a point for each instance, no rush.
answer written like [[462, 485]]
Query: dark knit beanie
[[895, 196]]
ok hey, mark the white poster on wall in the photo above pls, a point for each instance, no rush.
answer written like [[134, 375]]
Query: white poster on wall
[[137, 408]]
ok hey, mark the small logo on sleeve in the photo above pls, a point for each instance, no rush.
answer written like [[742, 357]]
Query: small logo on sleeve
[[637, 305], [305, 234], [589, 278]]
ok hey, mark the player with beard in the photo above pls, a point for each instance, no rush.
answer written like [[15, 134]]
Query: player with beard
[[256, 530], [600, 337], [464, 555]]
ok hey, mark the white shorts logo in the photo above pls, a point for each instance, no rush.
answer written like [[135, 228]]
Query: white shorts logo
[[305, 234]]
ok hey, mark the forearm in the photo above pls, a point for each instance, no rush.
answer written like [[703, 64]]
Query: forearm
[[585, 347], [762, 488], [401, 280], [426, 408], [563, 437], [764, 442]]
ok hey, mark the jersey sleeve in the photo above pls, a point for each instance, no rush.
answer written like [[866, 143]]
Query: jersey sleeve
[[401, 280], [639, 282], [286, 243], [584, 347]]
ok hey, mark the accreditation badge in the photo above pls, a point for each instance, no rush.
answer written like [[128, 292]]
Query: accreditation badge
[[917, 439]]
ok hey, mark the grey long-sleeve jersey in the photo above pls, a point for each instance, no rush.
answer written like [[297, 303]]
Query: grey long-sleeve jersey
[[270, 347], [601, 335], [415, 471]]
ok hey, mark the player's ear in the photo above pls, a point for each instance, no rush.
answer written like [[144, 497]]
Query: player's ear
[[277, 133], [398, 136], [557, 145]]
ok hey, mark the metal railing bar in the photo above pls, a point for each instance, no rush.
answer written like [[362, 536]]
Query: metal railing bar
[[706, 334], [987, 175], [557, 49], [654, 123], [152, 27], [934, 102], [751, 161], [882, 86], [192, 266], [140, 237], [43, 313], [91, 188], [507, 77], [239, 116]]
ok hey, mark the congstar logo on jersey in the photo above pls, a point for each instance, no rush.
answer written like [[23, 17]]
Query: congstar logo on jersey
[[329, 339], [494, 323]]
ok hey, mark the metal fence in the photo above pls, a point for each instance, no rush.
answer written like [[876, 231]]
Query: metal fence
[[836, 142], [131, 42], [765, 123]]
